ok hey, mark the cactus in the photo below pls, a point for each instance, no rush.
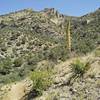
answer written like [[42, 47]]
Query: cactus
[[68, 35]]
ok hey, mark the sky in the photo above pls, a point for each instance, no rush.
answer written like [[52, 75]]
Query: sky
[[68, 7]]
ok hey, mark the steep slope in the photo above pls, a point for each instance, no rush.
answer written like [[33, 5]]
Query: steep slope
[[29, 37], [85, 88], [86, 32], [25, 36]]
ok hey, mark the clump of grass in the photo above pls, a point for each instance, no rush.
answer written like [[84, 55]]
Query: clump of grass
[[79, 67], [41, 81]]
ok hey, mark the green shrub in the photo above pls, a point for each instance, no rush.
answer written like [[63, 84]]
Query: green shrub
[[34, 59], [79, 68], [9, 78], [5, 66], [57, 53], [18, 62], [18, 44], [41, 80]]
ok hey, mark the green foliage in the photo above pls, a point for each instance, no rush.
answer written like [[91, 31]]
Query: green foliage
[[7, 72], [9, 78], [33, 59], [42, 38], [57, 53], [79, 67], [18, 62], [83, 43], [5, 66], [41, 81]]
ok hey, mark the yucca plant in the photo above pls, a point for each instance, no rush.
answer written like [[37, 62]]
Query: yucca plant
[[79, 67]]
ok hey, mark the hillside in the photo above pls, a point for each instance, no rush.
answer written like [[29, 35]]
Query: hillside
[[36, 40], [85, 88], [25, 37]]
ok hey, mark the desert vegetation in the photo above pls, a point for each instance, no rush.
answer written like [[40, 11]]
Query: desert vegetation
[[79, 67], [41, 81], [37, 42]]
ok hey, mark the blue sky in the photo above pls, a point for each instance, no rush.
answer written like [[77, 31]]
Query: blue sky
[[68, 7]]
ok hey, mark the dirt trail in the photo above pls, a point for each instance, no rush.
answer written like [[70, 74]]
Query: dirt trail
[[18, 90]]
